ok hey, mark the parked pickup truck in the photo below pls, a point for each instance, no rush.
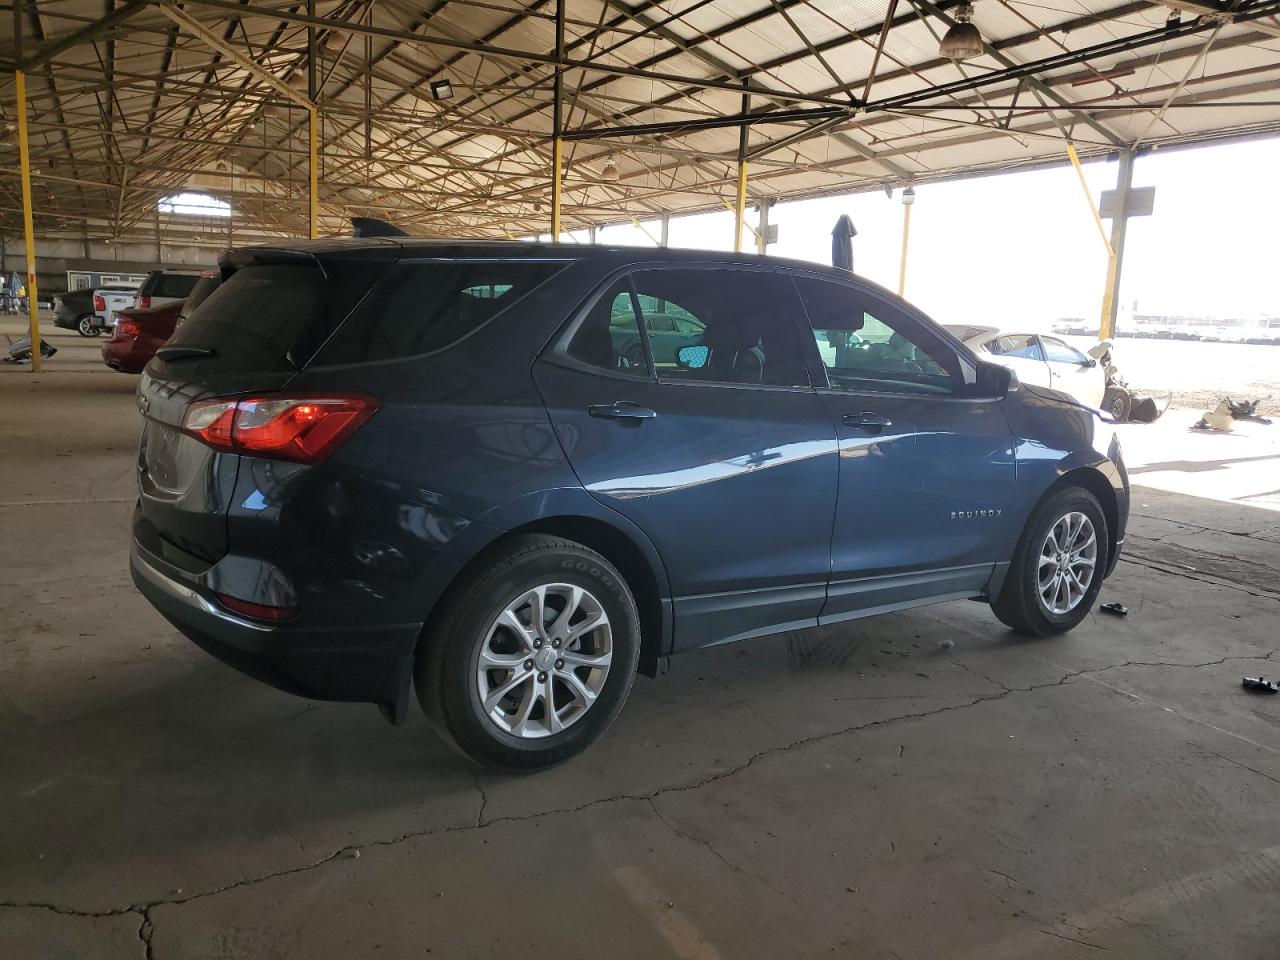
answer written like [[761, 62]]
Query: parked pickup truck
[[107, 300], [74, 310]]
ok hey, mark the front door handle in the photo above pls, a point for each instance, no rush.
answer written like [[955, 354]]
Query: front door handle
[[620, 410], [866, 420]]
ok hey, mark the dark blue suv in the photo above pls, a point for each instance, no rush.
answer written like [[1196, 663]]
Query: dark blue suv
[[368, 464]]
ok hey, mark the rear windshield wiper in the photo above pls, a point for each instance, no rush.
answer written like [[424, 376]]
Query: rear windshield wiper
[[184, 353]]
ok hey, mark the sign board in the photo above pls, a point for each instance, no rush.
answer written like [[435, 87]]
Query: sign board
[[1142, 201]]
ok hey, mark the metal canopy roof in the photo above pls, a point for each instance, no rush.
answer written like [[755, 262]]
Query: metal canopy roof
[[144, 98]]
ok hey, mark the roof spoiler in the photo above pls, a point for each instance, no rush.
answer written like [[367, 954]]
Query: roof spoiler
[[373, 227]]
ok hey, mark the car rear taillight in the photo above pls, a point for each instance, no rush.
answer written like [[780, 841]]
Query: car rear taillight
[[144, 301], [304, 429], [127, 328], [99, 304]]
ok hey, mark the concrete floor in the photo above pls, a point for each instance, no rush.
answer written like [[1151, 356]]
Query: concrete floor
[[860, 791]]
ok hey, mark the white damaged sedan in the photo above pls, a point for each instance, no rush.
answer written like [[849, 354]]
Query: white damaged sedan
[[1047, 361]]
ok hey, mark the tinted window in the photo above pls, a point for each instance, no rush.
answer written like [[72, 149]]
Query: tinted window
[[1059, 352], [609, 336], [1021, 345], [420, 307], [174, 285], [745, 320], [866, 344], [268, 318]]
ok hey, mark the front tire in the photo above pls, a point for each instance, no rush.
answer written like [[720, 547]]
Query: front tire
[[1057, 568], [85, 327], [1116, 401], [532, 654]]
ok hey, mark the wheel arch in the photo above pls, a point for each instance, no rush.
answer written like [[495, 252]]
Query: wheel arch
[[638, 563], [1097, 483]]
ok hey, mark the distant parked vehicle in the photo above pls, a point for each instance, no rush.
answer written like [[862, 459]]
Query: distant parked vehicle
[[106, 301], [74, 309], [167, 286], [140, 332], [668, 332], [1040, 360]]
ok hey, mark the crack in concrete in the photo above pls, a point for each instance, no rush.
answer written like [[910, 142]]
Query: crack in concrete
[[1199, 528], [484, 797], [703, 842], [144, 909], [1150, 563]]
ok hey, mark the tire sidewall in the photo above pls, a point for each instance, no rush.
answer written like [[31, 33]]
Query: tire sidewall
[[463, 708], [1069, 500]]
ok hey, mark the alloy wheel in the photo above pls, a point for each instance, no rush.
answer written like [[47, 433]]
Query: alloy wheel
[[1067, 563], [544, 660]]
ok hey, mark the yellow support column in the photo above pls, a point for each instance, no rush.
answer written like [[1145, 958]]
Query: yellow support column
[[314, 170], [557, 185], [24, 161], [1106, 324]]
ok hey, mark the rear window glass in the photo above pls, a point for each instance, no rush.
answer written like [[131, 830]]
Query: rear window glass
[[175, 285], [269, 318], [421, 307]]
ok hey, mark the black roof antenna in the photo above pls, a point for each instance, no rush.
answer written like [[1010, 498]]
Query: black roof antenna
[[373, 227]]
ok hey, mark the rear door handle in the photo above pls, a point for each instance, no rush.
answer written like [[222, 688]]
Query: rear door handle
[[620, 410], [866, 420]]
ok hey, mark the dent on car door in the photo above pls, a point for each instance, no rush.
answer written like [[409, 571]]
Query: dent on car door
[[728, 466], [926, 472]]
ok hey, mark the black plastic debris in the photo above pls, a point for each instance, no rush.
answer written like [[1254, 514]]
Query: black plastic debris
[[1261, 684], [1245, 410], [1116, 609]]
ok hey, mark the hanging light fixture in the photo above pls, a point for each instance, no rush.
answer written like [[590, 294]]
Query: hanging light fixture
[[442, 89], [962, 41], [610, 171]]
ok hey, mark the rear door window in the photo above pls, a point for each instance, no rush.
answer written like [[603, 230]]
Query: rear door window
[[742, 321], [1021, 345], [420, 307]]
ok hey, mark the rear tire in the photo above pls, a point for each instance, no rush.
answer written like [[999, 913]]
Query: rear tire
[[1116, 402], [1066, 532], [85, 327], [532, 654]]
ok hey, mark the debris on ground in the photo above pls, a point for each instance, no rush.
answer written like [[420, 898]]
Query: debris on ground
[[1261, 684], [1222, 417], [1118, 609], [1219, 418], [946, 643], [1246, 410]]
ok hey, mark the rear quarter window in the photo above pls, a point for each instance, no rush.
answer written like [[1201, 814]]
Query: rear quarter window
[[420, 307]]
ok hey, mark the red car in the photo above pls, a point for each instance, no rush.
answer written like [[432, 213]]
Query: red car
[[139, 332]]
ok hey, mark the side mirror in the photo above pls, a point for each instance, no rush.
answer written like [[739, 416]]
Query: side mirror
[[1090, 363], [994, 380], [693, 357]]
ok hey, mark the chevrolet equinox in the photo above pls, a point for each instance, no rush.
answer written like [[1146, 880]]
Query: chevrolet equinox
[[510, 476]]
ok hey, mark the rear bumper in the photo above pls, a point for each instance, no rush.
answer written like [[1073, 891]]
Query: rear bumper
[[349, 663]]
